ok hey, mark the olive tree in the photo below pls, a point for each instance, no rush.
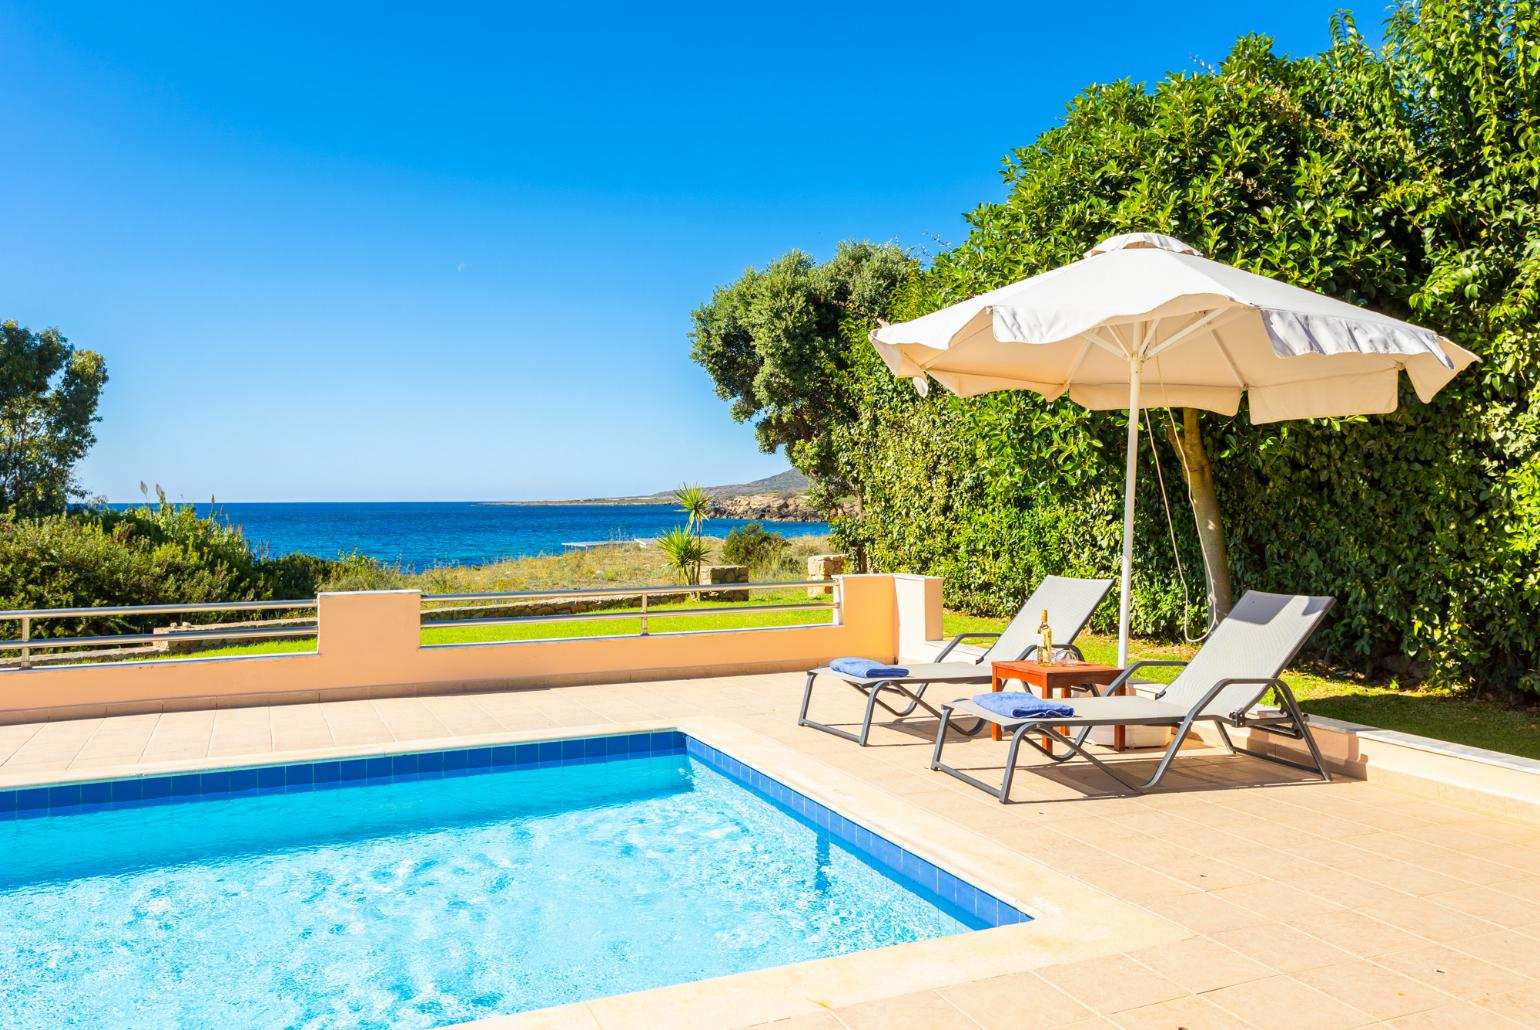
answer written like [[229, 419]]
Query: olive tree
[[773, 343]]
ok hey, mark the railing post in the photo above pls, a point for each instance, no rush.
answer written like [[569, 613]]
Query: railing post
[[26, 635], [644, 613]]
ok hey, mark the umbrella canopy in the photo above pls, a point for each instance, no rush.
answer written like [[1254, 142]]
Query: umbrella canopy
[[1145, 321]]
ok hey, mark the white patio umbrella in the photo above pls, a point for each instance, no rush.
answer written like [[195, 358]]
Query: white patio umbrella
[[1144, 320]]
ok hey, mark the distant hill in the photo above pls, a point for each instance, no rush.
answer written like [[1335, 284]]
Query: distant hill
[[789, 482]]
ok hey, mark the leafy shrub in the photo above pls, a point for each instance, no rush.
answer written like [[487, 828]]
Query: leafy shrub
[[153, 554], [753, 545]]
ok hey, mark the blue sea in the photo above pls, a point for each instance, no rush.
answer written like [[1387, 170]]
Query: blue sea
[[422, 534]]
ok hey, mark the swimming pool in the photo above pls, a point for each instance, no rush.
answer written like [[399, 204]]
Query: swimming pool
[[434, 888]]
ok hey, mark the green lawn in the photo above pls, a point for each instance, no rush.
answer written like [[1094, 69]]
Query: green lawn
[[657, 622], [1441, 714]]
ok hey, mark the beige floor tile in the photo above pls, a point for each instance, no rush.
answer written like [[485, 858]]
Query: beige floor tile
[[1112, 984], [1205, 913], [1456, 1016], [1454, 972], [1360, 933], [1510, 949], [1201, 964], [1492, 904], [1381, 992], [1189, 1013], [1376, 901], [819, 1021], [1277, 901], [999, 1003], [926, 1010], [1284, 1003], [1422, 877], [1344, 888], [1427, 918], [1282, 947], [1521, 1005]]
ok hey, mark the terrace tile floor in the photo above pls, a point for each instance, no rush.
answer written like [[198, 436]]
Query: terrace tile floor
[[1310, 905]]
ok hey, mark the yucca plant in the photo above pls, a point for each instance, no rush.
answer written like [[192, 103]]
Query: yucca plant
[[695, 503], [685, 551]]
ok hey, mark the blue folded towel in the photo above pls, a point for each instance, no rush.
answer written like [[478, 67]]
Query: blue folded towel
[[867, 669], [1018, 704]]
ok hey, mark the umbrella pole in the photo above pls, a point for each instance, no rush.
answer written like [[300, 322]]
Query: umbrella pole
[[1131, 472]]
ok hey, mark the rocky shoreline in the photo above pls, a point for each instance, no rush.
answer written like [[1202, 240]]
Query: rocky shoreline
[[766, 508]]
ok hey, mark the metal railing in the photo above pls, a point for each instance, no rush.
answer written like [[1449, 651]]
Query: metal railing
[[643, 600], [27, 644]]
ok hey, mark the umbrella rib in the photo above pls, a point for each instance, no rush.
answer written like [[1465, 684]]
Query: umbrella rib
[[1069, 376], [1224, 351], [1182, 334]]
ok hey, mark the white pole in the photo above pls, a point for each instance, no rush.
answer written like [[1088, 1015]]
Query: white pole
[[1131, 472]]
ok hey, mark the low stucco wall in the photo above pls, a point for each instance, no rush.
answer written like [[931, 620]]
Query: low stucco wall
[[369, 644]]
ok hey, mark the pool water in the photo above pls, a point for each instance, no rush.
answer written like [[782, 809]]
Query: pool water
[[428, 902]]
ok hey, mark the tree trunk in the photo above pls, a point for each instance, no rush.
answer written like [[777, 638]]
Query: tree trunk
[[1205, 509]]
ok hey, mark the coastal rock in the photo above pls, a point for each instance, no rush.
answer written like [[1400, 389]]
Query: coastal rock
[[766, 508]]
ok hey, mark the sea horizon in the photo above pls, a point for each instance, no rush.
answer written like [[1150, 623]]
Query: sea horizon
[[419, 535]]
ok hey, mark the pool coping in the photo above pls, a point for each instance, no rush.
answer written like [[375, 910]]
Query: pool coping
[[1069, 920]]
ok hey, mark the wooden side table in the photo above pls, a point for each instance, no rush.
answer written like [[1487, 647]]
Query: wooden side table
[[1056, 680]]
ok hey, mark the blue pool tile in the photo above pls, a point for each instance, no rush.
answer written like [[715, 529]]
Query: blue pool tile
[[457, 759], [186, 785], [593, 747], [270, 778], [64, 796], [352, 769], [214, 784], [616, 745], [95, 793], [302, 775], [404, 766], [548, 751], [240, 781], [430, 762], [571, 751], [505, 756], [377, 768], [525, 755], [327, 772], [32, 799], [155, 788], [126, 792], [481, 758], [636, 744]]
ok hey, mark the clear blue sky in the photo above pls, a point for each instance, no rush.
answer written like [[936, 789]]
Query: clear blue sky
[[449, 251]]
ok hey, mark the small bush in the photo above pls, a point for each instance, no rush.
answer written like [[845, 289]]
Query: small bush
[[755, 546]]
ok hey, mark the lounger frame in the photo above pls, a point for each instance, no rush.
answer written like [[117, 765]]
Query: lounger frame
[[1081, 596], [1289, 721], [916, 697]]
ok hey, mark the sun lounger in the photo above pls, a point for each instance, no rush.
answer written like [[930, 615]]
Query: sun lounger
[[1069, 603], [1240, 661]]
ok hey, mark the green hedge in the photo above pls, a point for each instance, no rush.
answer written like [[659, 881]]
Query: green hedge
[[1403, 179]]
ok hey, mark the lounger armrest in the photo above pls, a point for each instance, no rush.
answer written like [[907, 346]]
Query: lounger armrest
[[1262, 684], [951, 644], [1123, 677]]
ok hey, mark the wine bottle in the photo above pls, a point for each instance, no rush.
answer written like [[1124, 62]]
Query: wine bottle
[[1045, 641]]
